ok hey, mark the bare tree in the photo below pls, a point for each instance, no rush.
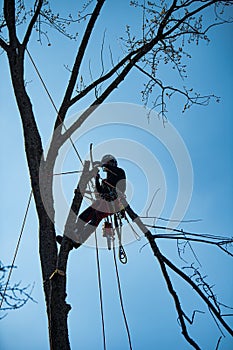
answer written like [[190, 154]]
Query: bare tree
[[167, 28], [12, 296]]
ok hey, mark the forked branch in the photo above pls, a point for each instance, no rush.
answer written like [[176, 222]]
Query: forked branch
[[163, 261], [78, 60], [32, 23]]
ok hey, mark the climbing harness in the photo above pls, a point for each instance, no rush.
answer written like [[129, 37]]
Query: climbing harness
[[107, 228], [109, 231], [112, 226]]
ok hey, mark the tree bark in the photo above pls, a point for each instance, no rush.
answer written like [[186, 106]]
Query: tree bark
[[34, 154], [58, 308], [53, 266]]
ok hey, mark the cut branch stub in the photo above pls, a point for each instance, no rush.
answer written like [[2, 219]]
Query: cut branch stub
[[78, 196], [79, 192]]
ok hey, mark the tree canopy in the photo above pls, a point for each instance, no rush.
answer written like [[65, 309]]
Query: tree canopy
[[151, 53]]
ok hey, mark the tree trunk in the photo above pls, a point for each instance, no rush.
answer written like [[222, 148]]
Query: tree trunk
[[57, 309]]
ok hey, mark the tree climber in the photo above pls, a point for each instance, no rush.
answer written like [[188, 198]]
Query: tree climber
[[108, 194]]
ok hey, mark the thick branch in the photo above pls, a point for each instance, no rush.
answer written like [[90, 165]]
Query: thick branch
[[166, 17], [180, 312], [4, 45], [201, 294], [103, 78], [34, 153], [86, 176], [139, 53], [32, 22], [188, 15], [134, 57], [79, 58], [161, 257], [115, 83], [9, 13], [58, 320]]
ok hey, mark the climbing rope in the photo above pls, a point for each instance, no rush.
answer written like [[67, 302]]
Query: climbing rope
[[30, 196], [100, 291], [68, 172], [122, 254], [120, 296], [98, 269], [17, 248], [56, 110], [109, 233], [53, 103]]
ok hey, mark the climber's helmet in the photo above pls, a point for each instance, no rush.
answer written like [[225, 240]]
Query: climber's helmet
[[108, 159]]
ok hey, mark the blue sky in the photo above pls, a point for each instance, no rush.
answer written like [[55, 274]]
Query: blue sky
[[207, 135]]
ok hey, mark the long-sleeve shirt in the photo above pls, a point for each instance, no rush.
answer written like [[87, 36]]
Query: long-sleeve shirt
[[114, 185]]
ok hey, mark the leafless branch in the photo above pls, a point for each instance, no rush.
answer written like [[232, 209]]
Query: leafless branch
[[168, 91], [218, 343], [3, 44], [38, 5], [9, 14], [104, 78], [184, 21], [191, 320], [200, 240], [200, 286], [194, 237], [214, 310], [179, 309], [168, 25], [78, 60], [170, 220], [13, 296], [189, 14]]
